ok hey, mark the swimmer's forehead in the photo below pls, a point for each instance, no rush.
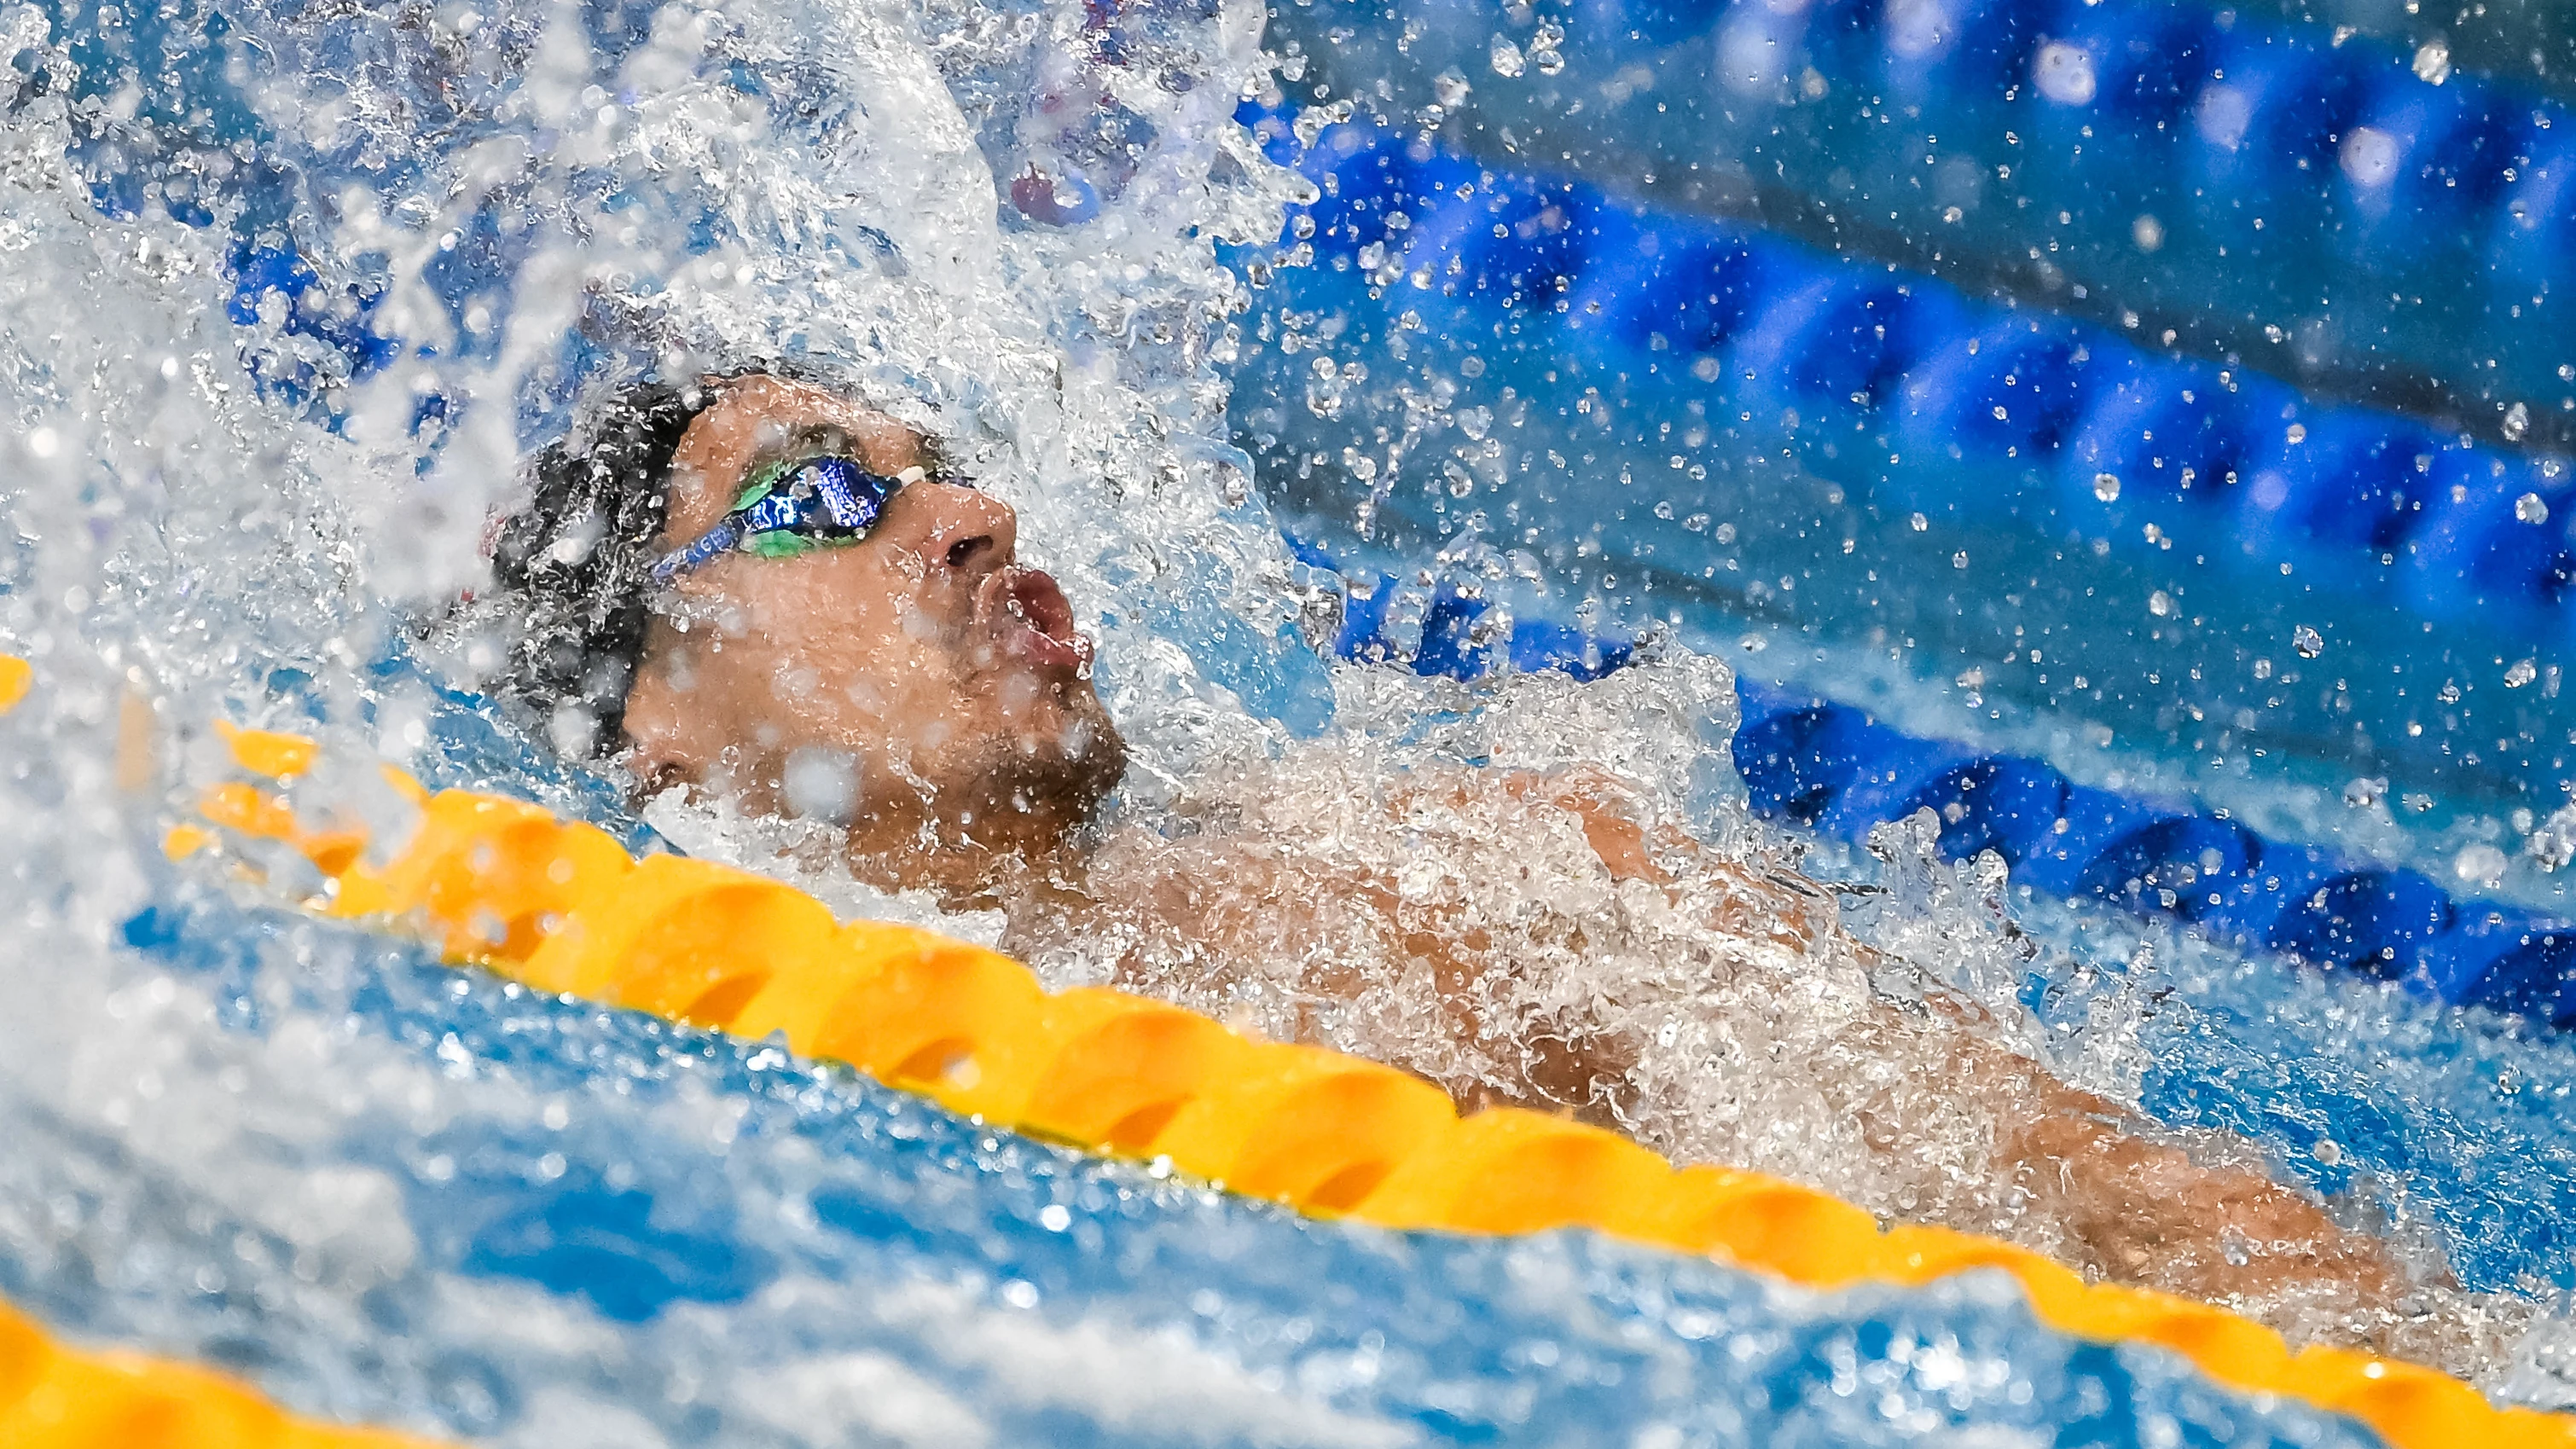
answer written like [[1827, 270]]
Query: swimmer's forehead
[[757, 420]]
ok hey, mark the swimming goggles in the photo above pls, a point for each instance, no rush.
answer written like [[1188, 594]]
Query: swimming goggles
[[792, 508]]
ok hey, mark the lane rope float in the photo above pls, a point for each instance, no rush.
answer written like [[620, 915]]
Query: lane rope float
[[2186, 160], [1840, 770], [54, 1396], [1901, 387], [17, 676], [561, 907]]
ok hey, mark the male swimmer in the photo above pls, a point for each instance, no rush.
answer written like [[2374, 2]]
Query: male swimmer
[[723, 580]]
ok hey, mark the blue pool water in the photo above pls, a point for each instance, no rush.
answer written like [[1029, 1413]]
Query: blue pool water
[[600, 1206], [293, 286]]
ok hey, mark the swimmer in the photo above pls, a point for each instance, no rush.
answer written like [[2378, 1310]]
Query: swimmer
[[723, 585]]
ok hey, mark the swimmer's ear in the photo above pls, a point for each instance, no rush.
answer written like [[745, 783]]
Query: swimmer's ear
[[652, 777]]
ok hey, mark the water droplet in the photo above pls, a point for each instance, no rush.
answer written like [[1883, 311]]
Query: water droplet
[[822, 783], [2479, 864], [2369, 157], [2433, 61], [2106, 486], [2553, 845], [2307, 641], [1506, 57], [2064, 73], [2531, 509]]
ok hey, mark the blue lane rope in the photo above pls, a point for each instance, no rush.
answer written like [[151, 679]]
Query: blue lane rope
[[1893, 382], [1838, 770], [2178, 158]]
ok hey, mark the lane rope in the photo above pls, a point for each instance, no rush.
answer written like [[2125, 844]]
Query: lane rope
[[561, 907], [55, 1396], [1902, 388], [2188, 160], [1840, 770]]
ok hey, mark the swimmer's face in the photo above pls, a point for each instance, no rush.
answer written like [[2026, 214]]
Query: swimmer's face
[[919, 684]]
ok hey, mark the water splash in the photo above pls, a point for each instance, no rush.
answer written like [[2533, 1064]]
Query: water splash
[[341, 1169]]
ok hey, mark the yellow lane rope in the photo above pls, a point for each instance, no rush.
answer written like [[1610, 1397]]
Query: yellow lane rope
[[16, 677], [504, 885], [56, 1397], [562, 908]]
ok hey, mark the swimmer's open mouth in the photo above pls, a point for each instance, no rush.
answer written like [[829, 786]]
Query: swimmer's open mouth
[[1032, 620]]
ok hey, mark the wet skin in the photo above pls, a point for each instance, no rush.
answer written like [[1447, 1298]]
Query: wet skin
[[920, 684], [945, 684]]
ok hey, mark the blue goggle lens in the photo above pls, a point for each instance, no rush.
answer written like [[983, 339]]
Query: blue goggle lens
[[818, 502]]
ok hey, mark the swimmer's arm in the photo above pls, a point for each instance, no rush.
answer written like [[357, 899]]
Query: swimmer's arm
[[2139, 1208]]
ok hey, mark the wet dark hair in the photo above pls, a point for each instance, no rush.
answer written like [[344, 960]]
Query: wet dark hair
[[575, 561]]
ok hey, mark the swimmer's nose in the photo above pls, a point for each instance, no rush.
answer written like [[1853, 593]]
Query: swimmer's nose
[[959, 531]]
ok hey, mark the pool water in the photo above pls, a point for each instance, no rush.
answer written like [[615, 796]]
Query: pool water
[[292, 287]]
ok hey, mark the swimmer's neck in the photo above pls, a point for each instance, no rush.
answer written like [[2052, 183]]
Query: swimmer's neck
[[971, 870]]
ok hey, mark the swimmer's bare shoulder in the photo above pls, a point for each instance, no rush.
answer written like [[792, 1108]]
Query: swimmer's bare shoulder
[[1222, 910]]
